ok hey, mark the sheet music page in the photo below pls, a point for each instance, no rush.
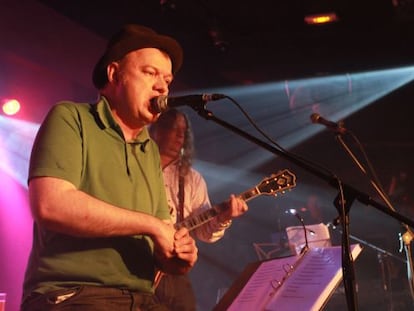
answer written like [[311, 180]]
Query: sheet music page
[[312, 282], [257, 292]]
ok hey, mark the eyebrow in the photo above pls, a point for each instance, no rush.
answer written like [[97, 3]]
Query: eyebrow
[[167, 75]]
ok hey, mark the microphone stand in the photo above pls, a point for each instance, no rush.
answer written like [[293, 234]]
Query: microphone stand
[[380, 253], [305, 231], [407, 237], [344, 200]]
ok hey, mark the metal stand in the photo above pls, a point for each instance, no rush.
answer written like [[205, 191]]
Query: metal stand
[[382, 256], [407, 237], [347, 195]]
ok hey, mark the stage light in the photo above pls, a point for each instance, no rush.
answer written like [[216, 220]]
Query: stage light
[[320, 12], [322, 18], [11, 106]]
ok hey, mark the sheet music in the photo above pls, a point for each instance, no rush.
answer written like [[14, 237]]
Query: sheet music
[[262, 284], [312, 282], [295, 283]]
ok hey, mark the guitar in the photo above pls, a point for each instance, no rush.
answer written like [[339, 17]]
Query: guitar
[[273, 185]]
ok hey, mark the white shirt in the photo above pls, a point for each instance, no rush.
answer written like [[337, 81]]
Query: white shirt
[[196, 200]]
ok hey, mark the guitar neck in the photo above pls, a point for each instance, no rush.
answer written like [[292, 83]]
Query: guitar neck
[[249, 194], [273, 185], [195, 221]]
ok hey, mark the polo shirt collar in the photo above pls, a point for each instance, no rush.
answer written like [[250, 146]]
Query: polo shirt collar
[[105, 116]]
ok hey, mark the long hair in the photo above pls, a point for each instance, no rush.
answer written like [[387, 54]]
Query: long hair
[[166, 122]]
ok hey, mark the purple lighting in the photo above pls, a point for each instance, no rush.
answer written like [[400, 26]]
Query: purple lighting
[[15, 238]]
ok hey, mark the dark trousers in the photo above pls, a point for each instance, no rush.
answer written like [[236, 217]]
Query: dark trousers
[[176, 292], [92, 298]]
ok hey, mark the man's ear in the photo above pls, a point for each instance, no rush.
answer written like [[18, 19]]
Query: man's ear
[[112, 71]]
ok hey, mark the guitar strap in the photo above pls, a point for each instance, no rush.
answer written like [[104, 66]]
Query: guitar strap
[[180, 207]]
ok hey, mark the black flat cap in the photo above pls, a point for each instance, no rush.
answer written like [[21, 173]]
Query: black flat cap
[[134, 37]]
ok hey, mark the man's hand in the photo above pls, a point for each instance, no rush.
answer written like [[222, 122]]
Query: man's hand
[[185, 247], [175, 251], [235, 208]]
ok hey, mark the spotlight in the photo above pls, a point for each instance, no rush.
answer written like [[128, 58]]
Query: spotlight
[[319, 12], [10, 106], [322, 18]]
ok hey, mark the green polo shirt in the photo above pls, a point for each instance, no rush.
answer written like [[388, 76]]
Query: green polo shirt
[[82, 143]]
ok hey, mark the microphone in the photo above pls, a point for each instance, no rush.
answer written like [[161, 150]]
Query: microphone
[[333, 126], [162, 103]]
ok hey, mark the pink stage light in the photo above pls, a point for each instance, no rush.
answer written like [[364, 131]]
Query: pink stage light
[[11, 107]]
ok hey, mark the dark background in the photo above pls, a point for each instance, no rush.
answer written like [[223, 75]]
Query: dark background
[[234, 42]]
